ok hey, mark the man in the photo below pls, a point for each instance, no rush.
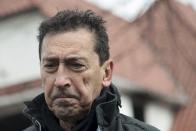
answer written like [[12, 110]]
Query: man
[[76, 73]]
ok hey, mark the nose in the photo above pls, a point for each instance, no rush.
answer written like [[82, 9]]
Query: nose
[[62, 79], [62, 82]]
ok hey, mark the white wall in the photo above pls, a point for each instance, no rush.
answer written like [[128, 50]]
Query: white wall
[[126, 9], [127, 107], [159, 115], [19, 48]]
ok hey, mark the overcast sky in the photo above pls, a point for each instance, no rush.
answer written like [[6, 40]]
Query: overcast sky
[[130, 9], [192, 2]]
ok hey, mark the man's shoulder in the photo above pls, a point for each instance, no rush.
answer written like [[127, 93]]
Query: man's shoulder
[[131, 123]]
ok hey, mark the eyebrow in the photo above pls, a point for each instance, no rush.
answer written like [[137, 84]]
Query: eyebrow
[[75, 59], [50, 58], [70, 58]]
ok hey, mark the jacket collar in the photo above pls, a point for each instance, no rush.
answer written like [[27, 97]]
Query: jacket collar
[[108, 110], [37, 111]]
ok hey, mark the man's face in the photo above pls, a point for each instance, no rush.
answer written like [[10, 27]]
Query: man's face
[[71, 75]]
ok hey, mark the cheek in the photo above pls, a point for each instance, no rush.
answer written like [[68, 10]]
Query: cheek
[[92, 82], [47, 84]]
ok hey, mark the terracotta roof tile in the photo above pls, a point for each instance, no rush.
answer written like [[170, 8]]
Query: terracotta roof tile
[[170, 29], [8, 7], [20, 87]]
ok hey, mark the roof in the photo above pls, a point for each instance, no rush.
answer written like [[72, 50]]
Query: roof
[[170, 29], [8, 7]]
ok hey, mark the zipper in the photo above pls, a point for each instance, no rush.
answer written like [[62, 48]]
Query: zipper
[[37, 123], [32, 119]]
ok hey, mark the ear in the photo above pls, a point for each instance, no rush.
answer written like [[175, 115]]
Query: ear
[[108, 70]]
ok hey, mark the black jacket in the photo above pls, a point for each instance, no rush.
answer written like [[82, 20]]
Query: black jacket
[[107, 115]]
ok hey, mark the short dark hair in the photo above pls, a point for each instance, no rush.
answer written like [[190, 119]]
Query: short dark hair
[[73, 19]]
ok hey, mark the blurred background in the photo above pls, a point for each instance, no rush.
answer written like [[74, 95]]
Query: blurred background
[[152, 43]]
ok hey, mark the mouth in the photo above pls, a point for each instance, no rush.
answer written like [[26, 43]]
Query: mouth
[[65, 101], [65, 97]]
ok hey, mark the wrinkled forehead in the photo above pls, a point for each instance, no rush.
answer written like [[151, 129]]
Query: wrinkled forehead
[[69, 42], [76, 34]]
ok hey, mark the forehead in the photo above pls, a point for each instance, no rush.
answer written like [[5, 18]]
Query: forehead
[[69, 42]]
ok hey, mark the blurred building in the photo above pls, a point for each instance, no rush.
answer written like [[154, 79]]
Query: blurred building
[[153, 52]]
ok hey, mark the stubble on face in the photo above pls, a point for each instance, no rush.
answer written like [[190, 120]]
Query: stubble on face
[[66, 105], [72, 103]]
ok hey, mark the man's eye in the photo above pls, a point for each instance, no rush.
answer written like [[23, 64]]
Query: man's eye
[[77, 66], [50, 67]]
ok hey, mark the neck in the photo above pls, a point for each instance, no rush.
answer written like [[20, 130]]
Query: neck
[[71, 122], [66, 125]]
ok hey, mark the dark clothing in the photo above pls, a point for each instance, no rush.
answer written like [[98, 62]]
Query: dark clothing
[[103, 116]]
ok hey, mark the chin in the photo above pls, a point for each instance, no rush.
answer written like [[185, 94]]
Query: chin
[[68, 114]]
